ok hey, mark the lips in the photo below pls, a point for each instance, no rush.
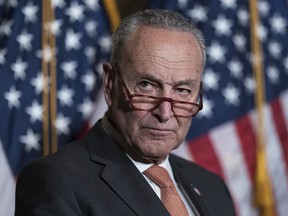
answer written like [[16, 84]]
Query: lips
[[158, 131], [158, 128]]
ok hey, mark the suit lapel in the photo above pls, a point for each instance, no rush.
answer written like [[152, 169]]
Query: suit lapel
[[129, 184], [192, 192], [122, 176]]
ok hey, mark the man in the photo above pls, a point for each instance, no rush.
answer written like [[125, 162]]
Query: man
[[153, 89]]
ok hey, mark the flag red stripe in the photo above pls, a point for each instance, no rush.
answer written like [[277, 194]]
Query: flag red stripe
[[204, 154], [281, 128], [248, 143]]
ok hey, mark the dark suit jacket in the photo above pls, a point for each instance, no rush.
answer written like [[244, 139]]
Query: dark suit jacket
[[93, 176]]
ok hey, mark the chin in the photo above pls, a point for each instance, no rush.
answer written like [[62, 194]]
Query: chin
[[156, 150]]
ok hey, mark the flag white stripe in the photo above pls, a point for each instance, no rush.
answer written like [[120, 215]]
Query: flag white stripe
[[228, 149], [275, 162], [276, 165], [7, 186]]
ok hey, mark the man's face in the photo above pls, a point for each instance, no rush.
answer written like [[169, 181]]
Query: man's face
[[161, 63]]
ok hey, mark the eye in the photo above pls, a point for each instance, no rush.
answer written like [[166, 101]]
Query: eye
[[145, 85], [183, 91]]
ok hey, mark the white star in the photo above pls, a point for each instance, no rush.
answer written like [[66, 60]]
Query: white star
[[24, 39], [249, 84], [30, 140], [61, 123], [231, 95], [89, 80], [86, 108], [275, 49], [58, 3], [255, 58], [13, 97], [90, 52], [263, 7], [229, 4], [40, 83], [69, 69], [240, 42], [105, 43], [5, 28], [72, 40], [236, 68], [99, 68], [3, 52], [65, 96], [273, 74], [216, 52], [75, 12], [30, 12], [243, 16], [92, 4], [19, 68], [261, 32], [210, 80], [35, 112], [47, 53], [222, 25], [198, 13], [207, 109], [90, 27], [278, 24], [54, 27]]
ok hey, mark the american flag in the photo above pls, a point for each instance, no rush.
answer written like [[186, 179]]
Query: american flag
[[223, 135], [81, 32]]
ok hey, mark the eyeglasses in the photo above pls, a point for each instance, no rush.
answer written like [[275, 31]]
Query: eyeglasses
[[148, 102]]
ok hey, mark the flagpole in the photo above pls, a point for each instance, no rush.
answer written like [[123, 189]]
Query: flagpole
[[263, 191], [45, 93], [53, 76], [113, 13]]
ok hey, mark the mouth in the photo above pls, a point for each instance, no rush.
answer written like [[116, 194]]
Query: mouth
[[158, 131]]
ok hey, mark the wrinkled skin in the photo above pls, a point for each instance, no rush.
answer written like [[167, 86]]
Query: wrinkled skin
[[157, 62]]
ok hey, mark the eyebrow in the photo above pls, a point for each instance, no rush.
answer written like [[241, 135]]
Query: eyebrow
[[190, 82]]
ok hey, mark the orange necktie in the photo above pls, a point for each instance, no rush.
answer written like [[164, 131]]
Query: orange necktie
[[169, 194]]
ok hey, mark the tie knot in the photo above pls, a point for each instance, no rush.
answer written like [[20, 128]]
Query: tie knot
[[159, 176]]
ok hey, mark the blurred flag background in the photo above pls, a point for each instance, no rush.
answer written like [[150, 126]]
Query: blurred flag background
[[50, 78], [50, 73]]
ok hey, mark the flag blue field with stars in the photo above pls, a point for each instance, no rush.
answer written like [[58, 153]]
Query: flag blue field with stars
[[82, 42]]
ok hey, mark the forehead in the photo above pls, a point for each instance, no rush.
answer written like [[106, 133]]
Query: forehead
[[160, 49]]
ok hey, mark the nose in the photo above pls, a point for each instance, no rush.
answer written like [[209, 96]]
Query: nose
[[163, 112]]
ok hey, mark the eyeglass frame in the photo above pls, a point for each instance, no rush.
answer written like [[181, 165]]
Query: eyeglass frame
[[160, 99]]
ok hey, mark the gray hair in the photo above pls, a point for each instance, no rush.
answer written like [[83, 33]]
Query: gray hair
[[164, 19]]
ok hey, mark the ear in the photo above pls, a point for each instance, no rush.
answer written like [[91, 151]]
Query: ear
[[108, 83]]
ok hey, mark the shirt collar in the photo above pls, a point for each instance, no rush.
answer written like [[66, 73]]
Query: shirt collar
[[143, 166]]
